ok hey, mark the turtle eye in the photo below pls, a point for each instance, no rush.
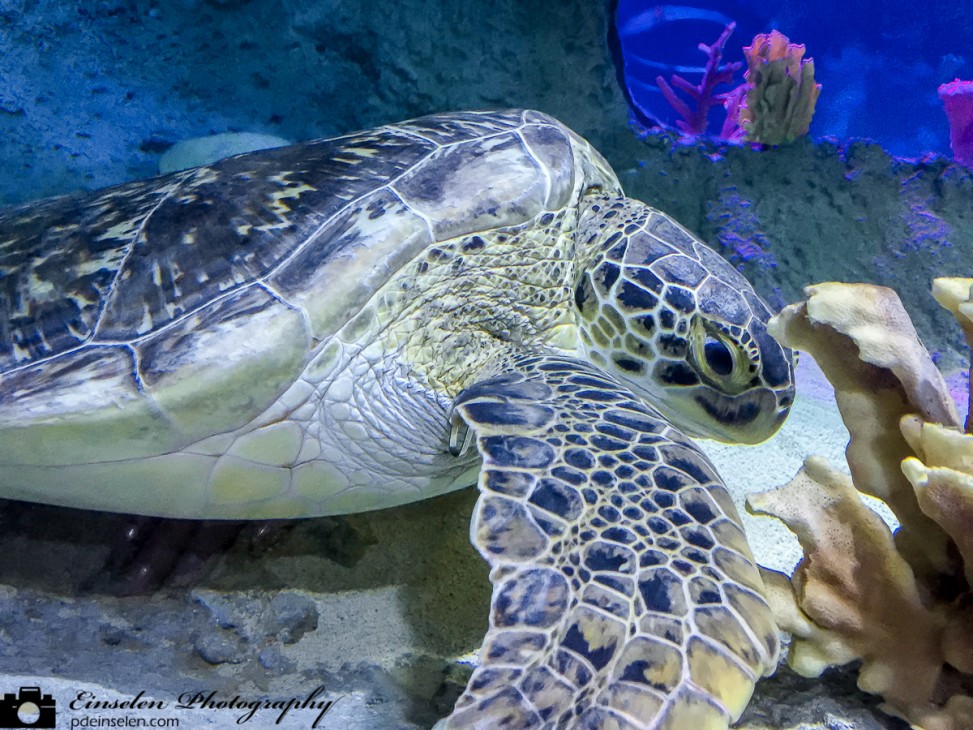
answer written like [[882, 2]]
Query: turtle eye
[[718, 356], [719, 359]]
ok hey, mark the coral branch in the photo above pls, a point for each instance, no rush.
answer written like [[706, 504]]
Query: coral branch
[[902, 605], [956, 295], [694, 120], [855, 587]]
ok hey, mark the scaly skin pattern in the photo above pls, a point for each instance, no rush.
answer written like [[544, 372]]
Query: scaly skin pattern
[[624, 593], [673, 319]]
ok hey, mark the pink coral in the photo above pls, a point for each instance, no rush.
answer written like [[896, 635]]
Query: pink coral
[[775, 103], [693, 122], [957, 98]]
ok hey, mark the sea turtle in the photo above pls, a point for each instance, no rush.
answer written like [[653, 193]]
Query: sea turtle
[[328, 327]]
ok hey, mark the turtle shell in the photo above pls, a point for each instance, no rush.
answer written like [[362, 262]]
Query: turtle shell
[[140, 319]]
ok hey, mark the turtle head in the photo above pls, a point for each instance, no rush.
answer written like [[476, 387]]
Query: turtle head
[[680, 326]]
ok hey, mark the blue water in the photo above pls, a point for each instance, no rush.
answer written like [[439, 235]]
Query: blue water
[[879, 61]]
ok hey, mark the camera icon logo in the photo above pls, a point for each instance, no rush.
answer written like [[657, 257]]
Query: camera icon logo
[[28, 708]]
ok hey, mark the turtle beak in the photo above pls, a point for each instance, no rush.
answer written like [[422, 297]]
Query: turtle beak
[[750, 417]]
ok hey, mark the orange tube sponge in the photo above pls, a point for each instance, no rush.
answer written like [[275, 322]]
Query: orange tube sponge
[[780, 91]]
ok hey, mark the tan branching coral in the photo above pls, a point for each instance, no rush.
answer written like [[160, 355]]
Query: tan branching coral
[[868, 349], [956, 295], [854, 587], [780, 91], [903, 605]]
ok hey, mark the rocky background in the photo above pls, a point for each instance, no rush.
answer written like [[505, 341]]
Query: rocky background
[[377, 607]]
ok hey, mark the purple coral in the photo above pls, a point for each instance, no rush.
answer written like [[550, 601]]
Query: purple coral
[[693, 122], [957, 98]]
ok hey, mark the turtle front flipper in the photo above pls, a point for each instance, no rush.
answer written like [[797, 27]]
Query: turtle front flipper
[[624, 592]]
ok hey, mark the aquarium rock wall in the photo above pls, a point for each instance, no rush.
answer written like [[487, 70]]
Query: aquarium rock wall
[[92, 93], [822, 210]]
